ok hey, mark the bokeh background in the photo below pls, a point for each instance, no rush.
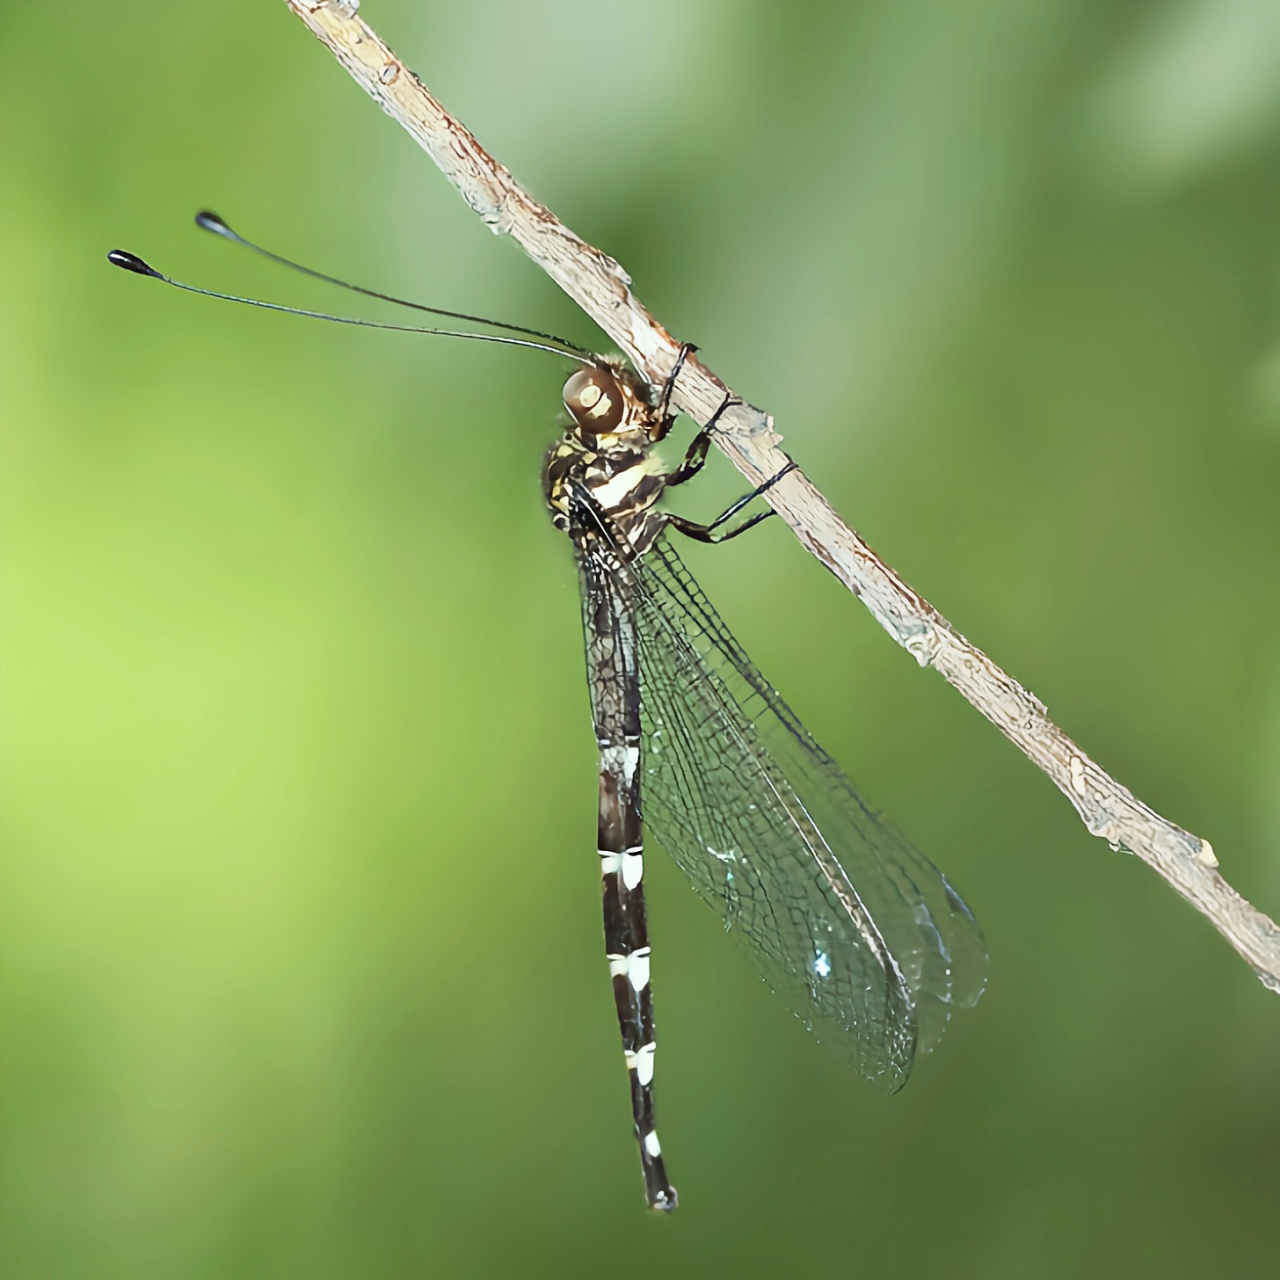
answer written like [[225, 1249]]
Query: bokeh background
[[302, 960]]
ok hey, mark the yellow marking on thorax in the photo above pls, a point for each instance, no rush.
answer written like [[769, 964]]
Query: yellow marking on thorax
[[614, 490]]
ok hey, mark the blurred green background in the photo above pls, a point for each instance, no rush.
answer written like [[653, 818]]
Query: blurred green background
[[302, 960]]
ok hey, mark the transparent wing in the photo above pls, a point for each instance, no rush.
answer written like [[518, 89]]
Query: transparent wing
[[852, 926]]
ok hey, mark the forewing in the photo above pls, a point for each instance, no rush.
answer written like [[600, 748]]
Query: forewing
[[856, 929]]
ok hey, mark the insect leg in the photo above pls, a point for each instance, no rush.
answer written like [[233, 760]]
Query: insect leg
[[664, 400], [707, 532], [697, 453]]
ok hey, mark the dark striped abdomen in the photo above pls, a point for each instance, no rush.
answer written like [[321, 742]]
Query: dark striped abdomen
[[614, 679]]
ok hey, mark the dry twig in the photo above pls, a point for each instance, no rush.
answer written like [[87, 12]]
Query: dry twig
[[601, 287]]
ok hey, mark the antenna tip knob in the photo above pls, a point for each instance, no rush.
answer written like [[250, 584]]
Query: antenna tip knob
[[131, 262], [207, 220]]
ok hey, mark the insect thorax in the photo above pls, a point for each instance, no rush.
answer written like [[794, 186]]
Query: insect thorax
[[606, 459]]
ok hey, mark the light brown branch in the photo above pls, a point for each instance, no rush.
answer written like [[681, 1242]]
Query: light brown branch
[[602, 289]]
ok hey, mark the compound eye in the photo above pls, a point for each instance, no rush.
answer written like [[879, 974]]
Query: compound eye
[[594, 398]]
